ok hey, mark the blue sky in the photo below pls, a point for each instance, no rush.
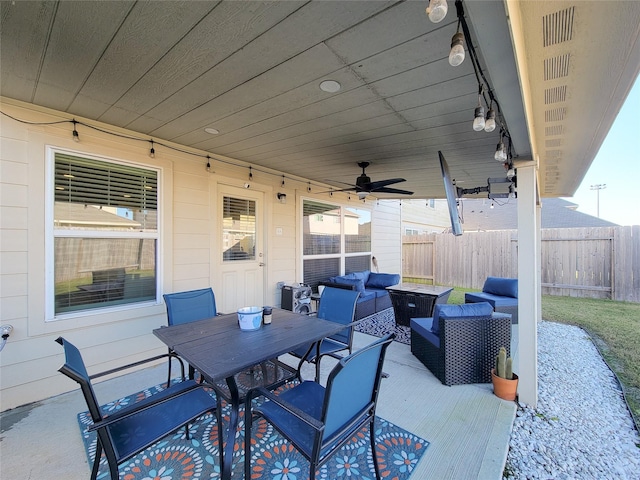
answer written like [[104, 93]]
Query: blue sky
[[617, 165]]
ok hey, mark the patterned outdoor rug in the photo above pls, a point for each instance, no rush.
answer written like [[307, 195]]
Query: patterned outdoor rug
[[384, 322], [174, 457]]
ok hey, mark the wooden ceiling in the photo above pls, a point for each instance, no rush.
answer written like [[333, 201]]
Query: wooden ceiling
[[252, 71]]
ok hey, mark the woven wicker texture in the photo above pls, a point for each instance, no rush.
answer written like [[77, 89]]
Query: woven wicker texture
[[411, 305], [468, 347]]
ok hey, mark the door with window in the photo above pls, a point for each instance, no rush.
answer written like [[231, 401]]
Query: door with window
[[241, 263]]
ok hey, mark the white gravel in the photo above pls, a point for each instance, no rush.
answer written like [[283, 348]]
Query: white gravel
[[581, 428]]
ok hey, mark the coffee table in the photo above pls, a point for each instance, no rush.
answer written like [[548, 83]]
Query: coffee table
[[415, 300]]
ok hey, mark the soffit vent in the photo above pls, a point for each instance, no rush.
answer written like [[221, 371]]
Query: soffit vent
[[558, 27], [556, 142], [555, 115], [554, 130], [555, 95], [556, 67], [554, 153]]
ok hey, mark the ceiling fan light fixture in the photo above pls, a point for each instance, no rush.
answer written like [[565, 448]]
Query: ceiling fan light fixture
[[362, 195], [330, 86], [437, 10], [456, 55]]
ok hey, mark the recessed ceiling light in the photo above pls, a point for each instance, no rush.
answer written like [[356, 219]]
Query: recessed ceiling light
[[330, 86], [212, 131]]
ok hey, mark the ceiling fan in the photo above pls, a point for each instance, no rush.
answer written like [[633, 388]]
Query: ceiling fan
[[364, 186]]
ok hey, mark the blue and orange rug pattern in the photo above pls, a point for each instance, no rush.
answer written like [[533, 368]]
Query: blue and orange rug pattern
[[273, 458]]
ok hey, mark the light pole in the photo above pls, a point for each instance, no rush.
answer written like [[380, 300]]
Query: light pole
[[597, 188]]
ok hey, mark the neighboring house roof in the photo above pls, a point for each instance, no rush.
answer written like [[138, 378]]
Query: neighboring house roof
[[78, 215], [556, 213]]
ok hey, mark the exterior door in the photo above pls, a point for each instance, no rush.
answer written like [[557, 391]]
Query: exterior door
[[241, 257]]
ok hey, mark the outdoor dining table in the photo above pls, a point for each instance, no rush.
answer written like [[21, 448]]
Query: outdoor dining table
[[218, 349]]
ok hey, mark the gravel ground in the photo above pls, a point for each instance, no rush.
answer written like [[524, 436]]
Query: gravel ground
[[581, 428]]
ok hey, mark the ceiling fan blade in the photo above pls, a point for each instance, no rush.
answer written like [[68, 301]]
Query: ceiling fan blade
[[392, 190], [382, 183], [353, 188]]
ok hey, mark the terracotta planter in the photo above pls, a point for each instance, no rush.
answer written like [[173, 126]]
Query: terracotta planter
[[503, 388]]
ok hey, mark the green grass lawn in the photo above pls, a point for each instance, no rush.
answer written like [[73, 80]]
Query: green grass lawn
[[614, 327]]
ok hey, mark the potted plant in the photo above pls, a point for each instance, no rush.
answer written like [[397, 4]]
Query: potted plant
[[505, 382]]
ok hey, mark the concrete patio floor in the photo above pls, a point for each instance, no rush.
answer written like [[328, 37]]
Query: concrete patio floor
[[467, 426]]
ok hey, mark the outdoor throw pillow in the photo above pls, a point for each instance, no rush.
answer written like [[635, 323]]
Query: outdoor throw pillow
[[444, 310], [506, 287], [359, 284], [382, 280]]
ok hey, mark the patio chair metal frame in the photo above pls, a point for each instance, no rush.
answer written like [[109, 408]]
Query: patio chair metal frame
[[114, 431], [319, 420], [336, 305]]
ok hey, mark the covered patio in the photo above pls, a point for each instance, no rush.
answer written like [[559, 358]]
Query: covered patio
[[467, 426], [275, 104]]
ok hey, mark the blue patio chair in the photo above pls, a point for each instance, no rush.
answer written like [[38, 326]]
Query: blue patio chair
[[336, 305], [130, 430], [185, 307], [318, 420]]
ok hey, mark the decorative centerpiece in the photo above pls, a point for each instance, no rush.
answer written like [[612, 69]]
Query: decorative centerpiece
[[505, 382], [250, 318]]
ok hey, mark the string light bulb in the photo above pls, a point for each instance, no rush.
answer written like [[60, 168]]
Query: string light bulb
[[490, 120], [152, 152], [501, 151], [478, 120], [208, 164], [456, 55], [437, 10], [75, 137]]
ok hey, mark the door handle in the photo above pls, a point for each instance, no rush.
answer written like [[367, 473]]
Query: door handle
[[261, 264]]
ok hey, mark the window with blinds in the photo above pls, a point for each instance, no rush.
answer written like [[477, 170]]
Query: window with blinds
[[105, 229], [238, 229], [336, 240]]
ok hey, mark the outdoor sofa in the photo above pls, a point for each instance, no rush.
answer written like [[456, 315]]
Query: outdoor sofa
[[372, 287], [459, 343], [501, 293]]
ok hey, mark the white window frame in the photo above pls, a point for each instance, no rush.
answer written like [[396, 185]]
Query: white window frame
[[341, 255], [51, 233]]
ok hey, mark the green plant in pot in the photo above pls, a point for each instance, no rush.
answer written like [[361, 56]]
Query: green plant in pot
[[505, 382]]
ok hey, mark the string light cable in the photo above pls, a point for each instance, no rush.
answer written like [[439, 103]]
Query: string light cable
[[155, 143]]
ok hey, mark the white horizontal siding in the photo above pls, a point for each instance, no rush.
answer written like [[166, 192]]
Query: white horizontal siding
[[29, 362]]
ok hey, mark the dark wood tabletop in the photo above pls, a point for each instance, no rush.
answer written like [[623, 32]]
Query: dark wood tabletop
[[218, 349]]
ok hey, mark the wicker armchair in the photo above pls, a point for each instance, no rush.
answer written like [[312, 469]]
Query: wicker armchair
[[464, 348]]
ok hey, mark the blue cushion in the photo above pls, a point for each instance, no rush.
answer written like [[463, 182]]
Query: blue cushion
[[494, 300], [424, 328], [377, 292], [507, 287], [382, 280], [446, 310], [366, 295], [359, 284], [363, 275]]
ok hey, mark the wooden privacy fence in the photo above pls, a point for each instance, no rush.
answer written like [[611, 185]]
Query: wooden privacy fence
[[601, 262]]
